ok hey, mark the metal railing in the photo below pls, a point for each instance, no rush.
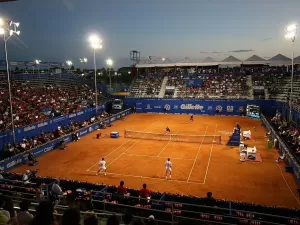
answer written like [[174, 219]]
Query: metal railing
[[172, 212]]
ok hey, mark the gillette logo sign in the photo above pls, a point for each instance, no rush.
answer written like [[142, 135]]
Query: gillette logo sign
[[13, 163], [191, 107]]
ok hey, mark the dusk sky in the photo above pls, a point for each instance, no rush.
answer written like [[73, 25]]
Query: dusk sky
[[58, 30]]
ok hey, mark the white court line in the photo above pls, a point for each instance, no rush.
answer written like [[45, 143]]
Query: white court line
[[152, 178], [211, 149], [167, 144], [131, 146], [197, 155], [288, 185], [154, 156], [119, 147]]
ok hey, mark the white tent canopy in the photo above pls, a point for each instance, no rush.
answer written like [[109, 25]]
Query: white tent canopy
[[229, 61]]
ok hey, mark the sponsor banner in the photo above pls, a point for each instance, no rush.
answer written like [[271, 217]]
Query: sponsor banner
[[230, 108], [194, 83], [22, 158], [200, 107]]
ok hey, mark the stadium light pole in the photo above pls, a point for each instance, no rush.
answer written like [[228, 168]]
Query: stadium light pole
[[37, 62], [69, 63], [84, 61], [291, 32], [109, 62], [95, 43], [11, 28]]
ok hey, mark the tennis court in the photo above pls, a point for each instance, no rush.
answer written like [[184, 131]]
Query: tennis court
[[198, 167]]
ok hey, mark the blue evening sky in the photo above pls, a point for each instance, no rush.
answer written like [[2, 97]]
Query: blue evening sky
[[57, 30]]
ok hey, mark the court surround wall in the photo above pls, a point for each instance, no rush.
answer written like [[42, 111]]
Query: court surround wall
[[200, 107], [11, 163]]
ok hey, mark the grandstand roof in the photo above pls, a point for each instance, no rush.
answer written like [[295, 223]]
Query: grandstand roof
[[231, 60], [209, 59]]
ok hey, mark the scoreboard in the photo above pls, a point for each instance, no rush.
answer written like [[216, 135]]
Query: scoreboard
[[253, 111]]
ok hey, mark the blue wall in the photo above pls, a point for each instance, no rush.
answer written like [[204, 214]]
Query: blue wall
[[48, 125], [201, 107]]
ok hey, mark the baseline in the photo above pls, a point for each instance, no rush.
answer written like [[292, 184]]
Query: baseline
[[153, 156], [152, 178]]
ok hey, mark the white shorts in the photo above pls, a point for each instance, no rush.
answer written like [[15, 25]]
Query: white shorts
[[102, 168], [168, 170]]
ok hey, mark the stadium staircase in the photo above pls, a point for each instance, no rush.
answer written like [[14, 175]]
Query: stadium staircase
[[163, 87], [267, 96], [249, 83]]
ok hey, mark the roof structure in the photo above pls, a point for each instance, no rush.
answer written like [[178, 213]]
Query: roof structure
[[229, 61], [280, 60], [208, 59]]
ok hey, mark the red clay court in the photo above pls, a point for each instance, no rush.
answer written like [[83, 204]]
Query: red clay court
[[197, 167]]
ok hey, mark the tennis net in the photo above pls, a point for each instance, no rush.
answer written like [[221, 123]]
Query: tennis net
[[204, 139]]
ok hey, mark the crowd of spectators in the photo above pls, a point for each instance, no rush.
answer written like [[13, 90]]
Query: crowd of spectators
[[289, 133], [147, 87], [26, 144], [32, 104]]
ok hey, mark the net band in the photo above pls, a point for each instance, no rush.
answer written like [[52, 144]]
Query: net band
[[204, 139]]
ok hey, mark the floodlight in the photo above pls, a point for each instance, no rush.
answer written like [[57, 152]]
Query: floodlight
[[291, 27], [290, 35], [69, 63], [17, 24], [18, 32], [2, 31], [109, 62], [11, 32], [37, 61], [1, 22], [163, 59], [95, 42]]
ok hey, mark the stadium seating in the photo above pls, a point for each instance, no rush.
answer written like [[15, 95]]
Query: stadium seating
[[147, 87], [36, 99], [165, 208]]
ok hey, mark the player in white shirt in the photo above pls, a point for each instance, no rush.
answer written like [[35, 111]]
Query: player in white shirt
[[168, 166], [102, 167]]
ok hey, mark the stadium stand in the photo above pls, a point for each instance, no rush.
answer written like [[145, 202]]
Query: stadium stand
[[38, 97], [105, 201]]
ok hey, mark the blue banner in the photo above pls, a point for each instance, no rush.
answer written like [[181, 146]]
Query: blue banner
[[200, 107], [194, 83], [17, 160], [48, 125]]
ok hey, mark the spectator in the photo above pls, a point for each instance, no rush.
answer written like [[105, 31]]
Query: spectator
[[127, 218], [24, 217], [91, 220], [44, 214], [113, 220], [39, 194], [9, 206], [71, 217], [25, 177], [209, 200], [121, 189], [145, 193], [56, 190], [2, 210], [151, 220]]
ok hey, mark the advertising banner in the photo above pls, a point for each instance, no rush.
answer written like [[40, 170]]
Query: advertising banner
[[194, 83], [200, 107], [21, 158]]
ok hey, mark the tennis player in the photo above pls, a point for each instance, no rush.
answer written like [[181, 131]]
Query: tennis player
[[168, 166], [168, 130], [102, 167], [191, 118]]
